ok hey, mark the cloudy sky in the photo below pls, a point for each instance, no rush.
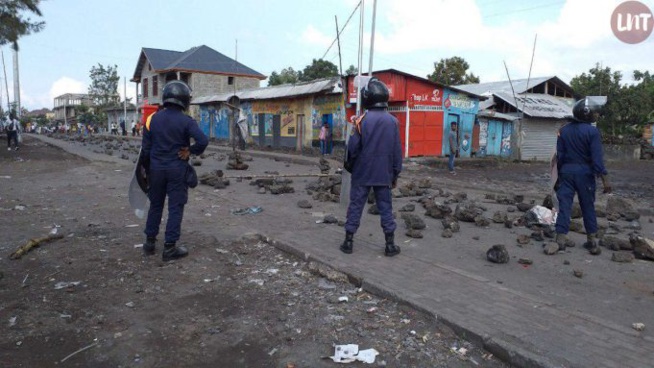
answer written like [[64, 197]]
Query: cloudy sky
[[572, 36]]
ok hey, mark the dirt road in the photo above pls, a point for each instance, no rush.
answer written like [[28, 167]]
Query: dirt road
[[244, 303], [91, 299]]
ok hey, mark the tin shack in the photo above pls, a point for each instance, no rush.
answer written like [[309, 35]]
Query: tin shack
[[288, 115], [422, 108]]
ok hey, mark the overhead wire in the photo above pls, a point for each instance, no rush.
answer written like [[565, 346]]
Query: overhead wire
[[343, 28]]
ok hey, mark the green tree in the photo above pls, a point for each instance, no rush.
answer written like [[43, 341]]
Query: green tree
[[637, 103], [352, 70], [104, 85], [287, 75], [452, 71], [86, 115], [13, 22], [318, 69], [601, 81]]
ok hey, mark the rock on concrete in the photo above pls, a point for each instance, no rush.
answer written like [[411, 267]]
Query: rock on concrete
[[622, 257], [615, 244], [498, 254], [643, 247]]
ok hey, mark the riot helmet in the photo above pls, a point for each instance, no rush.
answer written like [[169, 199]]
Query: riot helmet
[[585, 109], [176, 93], [374, 94]]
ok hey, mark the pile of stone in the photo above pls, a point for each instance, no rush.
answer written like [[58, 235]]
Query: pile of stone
[[214, 179], [325, 189], [273, 185], [236, 161]]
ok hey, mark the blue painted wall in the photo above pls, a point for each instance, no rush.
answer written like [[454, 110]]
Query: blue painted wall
[[462, 109], [214, 122]]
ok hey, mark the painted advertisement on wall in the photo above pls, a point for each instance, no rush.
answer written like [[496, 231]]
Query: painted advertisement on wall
[[285, 108]]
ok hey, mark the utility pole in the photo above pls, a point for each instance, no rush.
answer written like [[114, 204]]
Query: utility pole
[[4, 68], [124, 101], [372, 36], [16, 82]]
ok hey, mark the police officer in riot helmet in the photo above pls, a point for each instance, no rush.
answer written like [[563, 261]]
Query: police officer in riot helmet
[[579, 162], [374, 157], [166, 148]]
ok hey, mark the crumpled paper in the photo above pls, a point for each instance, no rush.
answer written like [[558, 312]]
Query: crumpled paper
[[350, 353]]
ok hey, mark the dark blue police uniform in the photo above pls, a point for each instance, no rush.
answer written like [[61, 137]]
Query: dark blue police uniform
[[579, 160], [169, 131], [377, 157]]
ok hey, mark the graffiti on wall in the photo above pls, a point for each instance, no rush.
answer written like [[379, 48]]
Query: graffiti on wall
[[505, 149], [328, 105], [285, 108], [483, 137]]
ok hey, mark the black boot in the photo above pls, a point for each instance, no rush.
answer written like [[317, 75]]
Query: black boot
[[171, 252], [591, 245], [391, 249], [150, 246], [348, 243]]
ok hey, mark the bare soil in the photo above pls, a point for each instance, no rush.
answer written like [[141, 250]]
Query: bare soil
[[92, 300]]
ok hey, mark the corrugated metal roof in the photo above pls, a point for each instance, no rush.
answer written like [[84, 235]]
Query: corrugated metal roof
[[496, 115], [537, 105], [519, 85], [329, 85], [199, 59]]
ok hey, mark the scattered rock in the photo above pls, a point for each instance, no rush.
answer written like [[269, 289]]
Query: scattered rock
[[467, 211], [631, 216], [500, 217], [262, 190], [413, 233], [304, 204], [447, 233], [537, 235], [615, 244], [566, 262], [578, 273], [437, 210], [413, 221], [330, 219], [508, 224], [643, 247], [549, 232], [498, 254], [525, 261], [424, 183], [482, 221], [490, 196], [450, 223], [519, 198], [576, 227], [619, 205], [196, 162], [612, 216], [281, 189], [633, 225], [523, 207], [504, 200], [511, 209], [523, 239], [551, 249], [622, 257], [409, 207]]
